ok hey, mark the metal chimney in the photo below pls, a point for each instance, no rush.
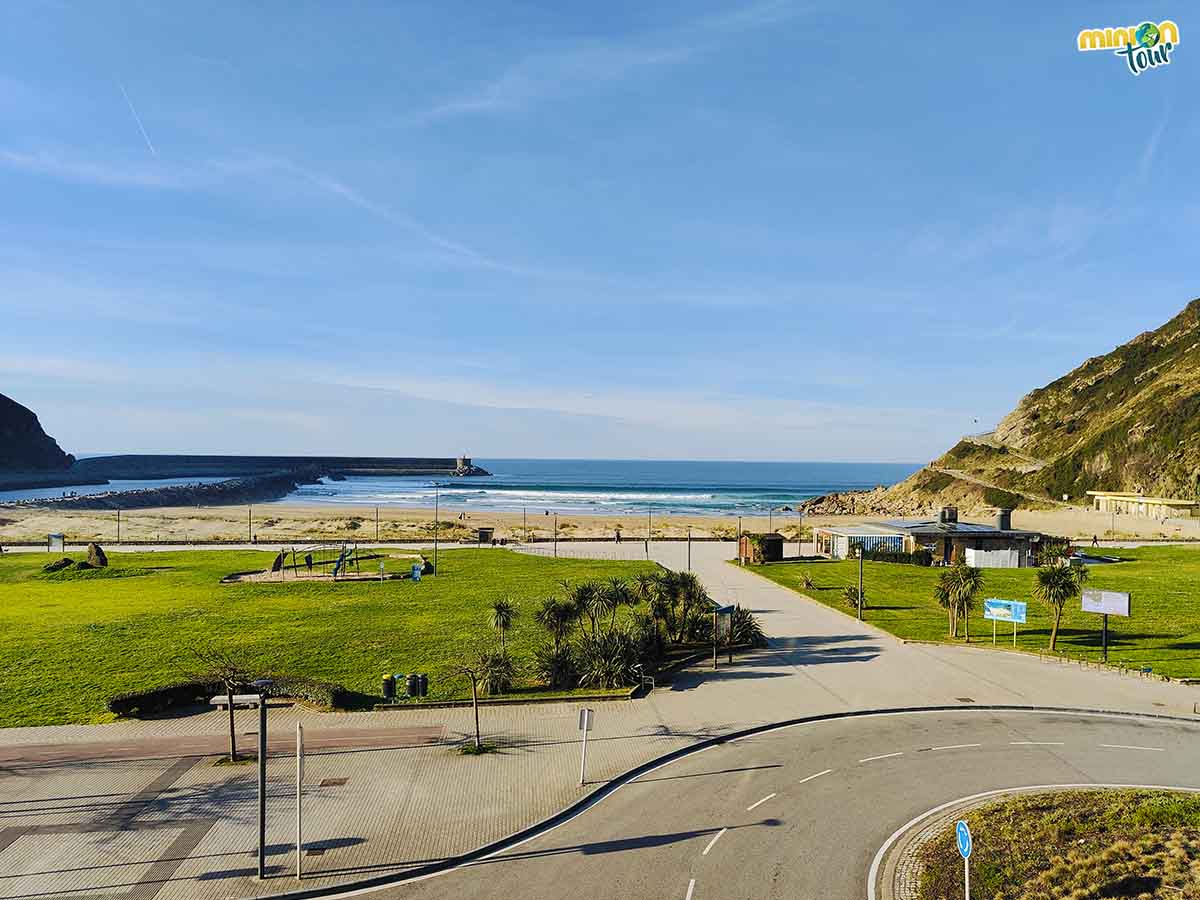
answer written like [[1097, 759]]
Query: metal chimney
[[948, 514], [1004, 519]]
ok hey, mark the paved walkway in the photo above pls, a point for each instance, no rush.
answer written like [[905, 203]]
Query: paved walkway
[[171, 824]]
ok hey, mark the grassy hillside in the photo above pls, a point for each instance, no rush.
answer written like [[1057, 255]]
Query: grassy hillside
[[1128, 420], [73, 639]]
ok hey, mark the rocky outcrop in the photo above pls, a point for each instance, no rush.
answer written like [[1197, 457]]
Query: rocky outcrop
[[96, 558], [24, 446]]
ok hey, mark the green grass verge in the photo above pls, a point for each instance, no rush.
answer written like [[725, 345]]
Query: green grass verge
[[1163, 632], [73, 639], [1073, 844]]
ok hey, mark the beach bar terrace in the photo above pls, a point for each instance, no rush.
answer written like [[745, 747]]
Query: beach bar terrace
[[835, 541]]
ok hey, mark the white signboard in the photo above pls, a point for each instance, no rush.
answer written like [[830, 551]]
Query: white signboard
[[1109, 603], [585, 719]]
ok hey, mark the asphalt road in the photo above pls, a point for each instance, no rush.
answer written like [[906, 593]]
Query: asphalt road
[[801, 812]]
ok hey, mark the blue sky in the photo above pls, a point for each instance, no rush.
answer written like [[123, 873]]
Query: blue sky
[[678, 230]]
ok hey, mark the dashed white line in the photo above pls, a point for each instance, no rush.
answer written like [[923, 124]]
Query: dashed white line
[[956, 747], [691, 887], [1037, 743], [1129, 747], [716, 837], [811, 777], [881, 756], [758, 803]]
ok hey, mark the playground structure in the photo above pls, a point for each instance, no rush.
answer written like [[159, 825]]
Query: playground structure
[[331, 562]]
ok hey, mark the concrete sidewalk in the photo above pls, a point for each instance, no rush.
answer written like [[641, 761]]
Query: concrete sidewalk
[[175, 825]]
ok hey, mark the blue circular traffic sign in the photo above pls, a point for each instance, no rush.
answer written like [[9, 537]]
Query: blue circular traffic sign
[[963, 835]]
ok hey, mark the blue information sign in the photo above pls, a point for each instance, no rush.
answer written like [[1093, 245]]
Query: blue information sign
[[1004, 611], [963, 835]]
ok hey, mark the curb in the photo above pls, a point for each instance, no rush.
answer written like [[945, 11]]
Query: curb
[[584, 803]]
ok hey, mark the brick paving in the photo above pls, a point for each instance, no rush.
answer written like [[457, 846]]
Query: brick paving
[[172, 824]]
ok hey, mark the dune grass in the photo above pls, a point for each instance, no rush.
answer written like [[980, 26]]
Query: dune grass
[[1072, 844], [1163, 633], [71, 640]]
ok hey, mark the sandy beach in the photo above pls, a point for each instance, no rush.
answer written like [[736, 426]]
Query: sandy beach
[[278, 522]]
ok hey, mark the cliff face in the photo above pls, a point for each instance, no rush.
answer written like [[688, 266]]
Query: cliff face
[[1128, 420], [24, 446]]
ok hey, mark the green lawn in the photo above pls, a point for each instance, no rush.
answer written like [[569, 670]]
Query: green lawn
[[1163, 632], [73, 639]]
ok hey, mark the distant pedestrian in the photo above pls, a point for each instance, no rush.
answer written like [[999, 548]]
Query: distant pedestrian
[[1095, 541]]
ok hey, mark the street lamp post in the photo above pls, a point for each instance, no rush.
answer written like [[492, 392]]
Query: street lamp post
[[436, 517], [556, 535], [689, 548]]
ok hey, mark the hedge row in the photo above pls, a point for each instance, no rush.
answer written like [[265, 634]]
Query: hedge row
[[188, 693], [920, 557]]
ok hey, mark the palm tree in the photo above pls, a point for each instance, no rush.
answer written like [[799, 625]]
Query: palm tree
[[968, 582], [503, 614], [1056, 585], [556, 617], [943, 593], [617, 594]]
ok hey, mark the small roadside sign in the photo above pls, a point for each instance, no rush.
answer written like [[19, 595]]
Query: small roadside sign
[[962, 837], [585, 725], [962, 834]]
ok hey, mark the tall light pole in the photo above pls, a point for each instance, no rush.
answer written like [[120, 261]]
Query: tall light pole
[[556, 535], [436, 517], [525, 524], [739, 541], [377, 524], [689, 548]]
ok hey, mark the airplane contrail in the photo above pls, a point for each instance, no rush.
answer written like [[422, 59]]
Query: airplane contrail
[[136, 117]]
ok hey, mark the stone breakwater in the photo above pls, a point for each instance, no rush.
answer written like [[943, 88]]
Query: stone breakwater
[[253, 489]]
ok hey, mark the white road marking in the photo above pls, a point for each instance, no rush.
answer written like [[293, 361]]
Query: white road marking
[[882, 756], [716, 837], [691, 887], [758, 803], [1128, 747], [956, 747], [1037, 743], [811, 777]]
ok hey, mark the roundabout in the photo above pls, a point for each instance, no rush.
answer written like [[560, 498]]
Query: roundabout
[[813, 809]]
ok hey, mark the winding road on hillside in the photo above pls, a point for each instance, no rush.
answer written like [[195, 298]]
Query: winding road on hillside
[[806, 811]]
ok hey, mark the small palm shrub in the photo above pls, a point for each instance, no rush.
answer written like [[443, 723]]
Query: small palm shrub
[[850, 594], [607, 659], [555, 667], [497, 672], [809, 584], [745, 629]]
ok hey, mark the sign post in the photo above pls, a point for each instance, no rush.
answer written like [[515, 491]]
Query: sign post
[[1106, 603], [962, 836], [585, 725], [1004, 611], [299, 799]]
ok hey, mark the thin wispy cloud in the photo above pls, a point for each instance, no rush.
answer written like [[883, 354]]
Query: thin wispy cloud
[[99, 172], [137, 118], [544, 75]]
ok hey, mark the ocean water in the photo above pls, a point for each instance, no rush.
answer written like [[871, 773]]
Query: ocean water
[[613, 486]]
